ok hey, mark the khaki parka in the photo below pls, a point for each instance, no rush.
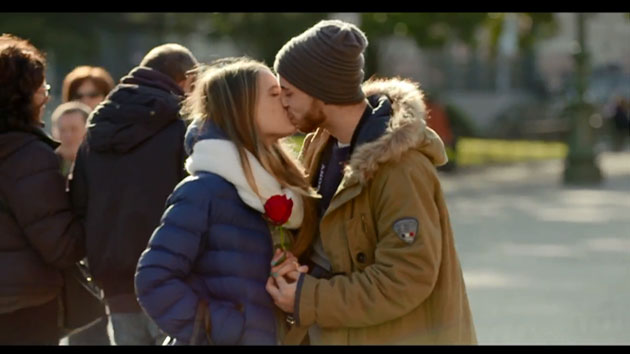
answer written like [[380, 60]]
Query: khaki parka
[[393, 284]]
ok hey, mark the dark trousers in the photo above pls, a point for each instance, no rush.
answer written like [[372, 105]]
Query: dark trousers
[[31, 326]]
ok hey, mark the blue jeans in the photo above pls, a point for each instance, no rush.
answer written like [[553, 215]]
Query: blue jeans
[[135, 328]]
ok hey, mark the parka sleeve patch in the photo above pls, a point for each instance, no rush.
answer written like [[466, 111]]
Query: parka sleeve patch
[[406, 229]]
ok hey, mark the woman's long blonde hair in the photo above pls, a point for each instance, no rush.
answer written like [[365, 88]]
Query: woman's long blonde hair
[[226, 93]]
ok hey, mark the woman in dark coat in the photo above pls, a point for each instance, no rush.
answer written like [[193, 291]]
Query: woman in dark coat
[[39, 235]]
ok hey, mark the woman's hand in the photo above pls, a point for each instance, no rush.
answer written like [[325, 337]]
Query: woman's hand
[[285, 264]]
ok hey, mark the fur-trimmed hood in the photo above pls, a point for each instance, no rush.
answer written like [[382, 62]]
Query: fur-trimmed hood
[[405, 130]]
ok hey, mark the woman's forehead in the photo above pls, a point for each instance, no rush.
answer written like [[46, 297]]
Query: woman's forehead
[[268, 79]]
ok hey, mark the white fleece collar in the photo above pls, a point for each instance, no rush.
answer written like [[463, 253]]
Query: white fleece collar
[[221, 157]]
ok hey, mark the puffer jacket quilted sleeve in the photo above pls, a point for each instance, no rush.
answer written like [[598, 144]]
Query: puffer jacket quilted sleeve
[[36, 196]]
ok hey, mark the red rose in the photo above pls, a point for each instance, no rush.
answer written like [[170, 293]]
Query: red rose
[[278, 209]]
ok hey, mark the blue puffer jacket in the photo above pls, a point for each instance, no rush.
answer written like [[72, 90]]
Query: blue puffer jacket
[[229, 271]]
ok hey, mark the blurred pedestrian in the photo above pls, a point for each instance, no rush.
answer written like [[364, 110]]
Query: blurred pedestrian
[[39, 234], [87, 84], [438, 120], [383, 268], [69, 127], [130, 161], [214, 224]]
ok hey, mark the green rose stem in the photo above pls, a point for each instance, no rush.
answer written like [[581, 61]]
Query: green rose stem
[[282, 245]]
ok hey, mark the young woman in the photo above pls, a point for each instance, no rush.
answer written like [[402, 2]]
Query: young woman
[[39, 235], [214, 245]]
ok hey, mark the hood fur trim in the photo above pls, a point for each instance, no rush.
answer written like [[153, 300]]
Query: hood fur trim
[[407, 129]]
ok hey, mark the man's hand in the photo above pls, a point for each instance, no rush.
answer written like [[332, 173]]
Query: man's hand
[[282, 293]]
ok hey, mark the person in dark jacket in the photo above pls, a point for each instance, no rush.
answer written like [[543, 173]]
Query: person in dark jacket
[[212, 251], [39, 234], [130, 161]]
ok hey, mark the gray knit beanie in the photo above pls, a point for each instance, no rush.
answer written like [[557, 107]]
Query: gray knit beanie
[[326, 62]]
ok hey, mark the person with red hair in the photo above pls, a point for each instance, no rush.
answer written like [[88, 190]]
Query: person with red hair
[[87, 84]]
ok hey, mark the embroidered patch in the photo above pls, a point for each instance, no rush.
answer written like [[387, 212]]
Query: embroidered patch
[[406, 229]]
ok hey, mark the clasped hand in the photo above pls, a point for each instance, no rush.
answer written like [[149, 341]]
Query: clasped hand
[[282, 282]]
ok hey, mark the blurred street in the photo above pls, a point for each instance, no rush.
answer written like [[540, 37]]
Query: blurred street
[[544, 263]]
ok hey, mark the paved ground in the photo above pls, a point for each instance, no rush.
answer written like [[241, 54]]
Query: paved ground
[[544, 263]]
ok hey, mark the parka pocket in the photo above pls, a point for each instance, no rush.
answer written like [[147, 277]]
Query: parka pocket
[[361, 242]]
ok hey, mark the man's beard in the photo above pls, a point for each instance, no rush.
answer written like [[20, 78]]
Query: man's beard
[[313, 119]]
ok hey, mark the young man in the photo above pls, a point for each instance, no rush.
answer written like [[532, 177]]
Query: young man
[[131, 159], [383, 269]]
